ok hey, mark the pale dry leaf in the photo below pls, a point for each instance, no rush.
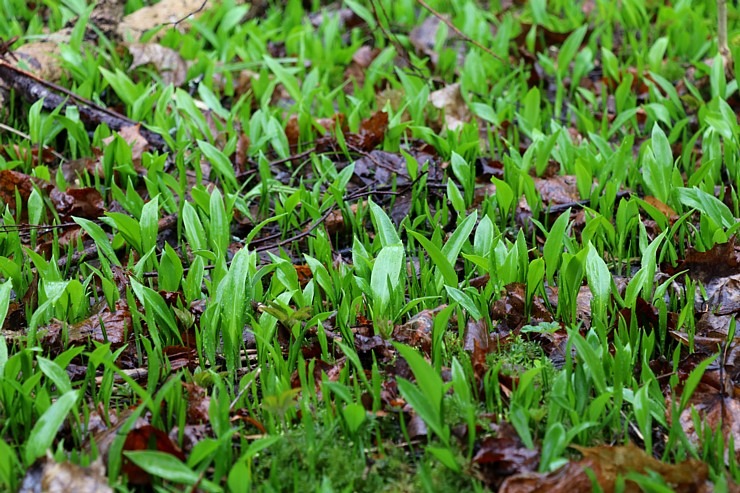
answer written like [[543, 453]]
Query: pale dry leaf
[[42, 57], [449, 99], [165, 12], [132, 136], [50, 476], [168, 62]]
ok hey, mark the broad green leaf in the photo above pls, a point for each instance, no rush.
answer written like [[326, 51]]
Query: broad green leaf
[[99, 237], [288, 80], [438, 259], [465, 301], [220, 162], [45, 430], [220, 229], [232, 294], [553, 249], [429, 381], [384, 227], [55, 373], [194, 231], [599, 279], [149, 224], [707, 204], [386, 269], [454, 244], [167, 466]]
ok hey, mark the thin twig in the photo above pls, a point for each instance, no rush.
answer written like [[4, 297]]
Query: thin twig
[[464, 36], [177, 22], [28, 138]]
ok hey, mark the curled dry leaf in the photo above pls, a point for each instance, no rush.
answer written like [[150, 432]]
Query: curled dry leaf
[[371, 134], [78, 202], [168, 62], [417, 332]]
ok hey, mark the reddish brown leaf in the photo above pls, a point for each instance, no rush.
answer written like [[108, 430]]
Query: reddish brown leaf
[[80, 202], [417, 332], [504, 455], [371, 133], [11, 180], [106, 326], [198, 404], [146, 437]]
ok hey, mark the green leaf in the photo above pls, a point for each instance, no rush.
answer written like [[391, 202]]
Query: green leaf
[[149, 224], [233, 294], [465, 301], [426, 396], [569, 49], [152, 300], [220, 162], [446, 457], [590, 358], [55, 373], [127, 226], [220, 228], [386, 269], [707, 204], [194, 231], [45, 430], [167, 466], [288, 80], [99, 237], [599, 279], [552, 252], [458, 238], [383, 226], [446, 269]]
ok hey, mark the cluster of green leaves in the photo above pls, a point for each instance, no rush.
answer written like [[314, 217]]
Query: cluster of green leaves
[[606, 384]]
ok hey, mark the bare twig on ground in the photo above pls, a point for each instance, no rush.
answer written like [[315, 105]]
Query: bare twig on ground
[[33, 88]]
